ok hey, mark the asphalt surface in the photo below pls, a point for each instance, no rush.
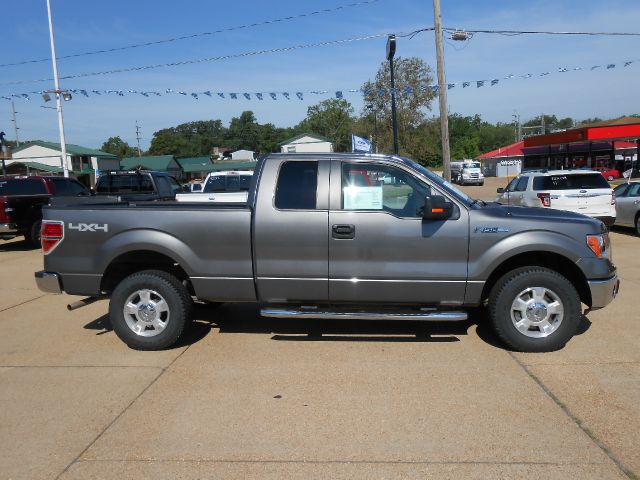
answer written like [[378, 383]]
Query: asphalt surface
[[247, 397]]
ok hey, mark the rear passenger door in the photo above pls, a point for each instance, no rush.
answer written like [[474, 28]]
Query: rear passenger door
[[290, 232]]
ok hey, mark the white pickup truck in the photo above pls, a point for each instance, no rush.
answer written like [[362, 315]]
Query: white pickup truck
[[221, 187]]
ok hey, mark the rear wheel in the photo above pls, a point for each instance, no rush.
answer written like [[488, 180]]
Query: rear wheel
[[32, 236], [637, 224], [534, 309], [149, 310], [610, 178]]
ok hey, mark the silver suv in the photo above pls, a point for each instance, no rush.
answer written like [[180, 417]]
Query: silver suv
[[579, 191]]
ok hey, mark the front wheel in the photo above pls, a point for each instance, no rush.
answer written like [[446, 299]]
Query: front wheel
[[610, 178], [534, 309], [638, 225], [32, 236], [149, 310]]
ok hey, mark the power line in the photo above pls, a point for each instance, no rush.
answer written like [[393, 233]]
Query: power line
[[209, 59], [197, 35], [544, 32]]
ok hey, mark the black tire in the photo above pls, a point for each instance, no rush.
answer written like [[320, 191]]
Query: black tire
[[32, 236], [610, 178], [168, 288], [637, 224], [508, 289]]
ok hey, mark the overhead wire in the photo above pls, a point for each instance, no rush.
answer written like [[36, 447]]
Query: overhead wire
[[195, 35]]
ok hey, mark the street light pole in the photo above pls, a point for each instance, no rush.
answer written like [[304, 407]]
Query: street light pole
[[391, 51], [442, 92], [63, 146]]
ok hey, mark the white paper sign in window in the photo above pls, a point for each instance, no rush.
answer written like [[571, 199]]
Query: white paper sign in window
[[362, 198]]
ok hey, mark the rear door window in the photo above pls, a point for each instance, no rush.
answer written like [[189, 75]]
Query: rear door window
[[22, 186], [297, 186], [570, 182]]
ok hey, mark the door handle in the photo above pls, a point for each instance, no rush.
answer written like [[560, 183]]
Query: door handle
[[343, 231]]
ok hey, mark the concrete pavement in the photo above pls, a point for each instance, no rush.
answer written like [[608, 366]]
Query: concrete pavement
[[246, 397]]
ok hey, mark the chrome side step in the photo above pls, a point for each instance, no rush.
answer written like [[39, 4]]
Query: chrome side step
[[355, 315]]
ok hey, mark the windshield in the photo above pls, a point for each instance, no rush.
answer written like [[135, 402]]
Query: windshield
[[459, 195], [472, 165]]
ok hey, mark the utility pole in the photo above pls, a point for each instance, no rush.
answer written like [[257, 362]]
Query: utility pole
[[54, 60], [15, 123], [518, 125], [138, 138], [442, 92], [391, 51]]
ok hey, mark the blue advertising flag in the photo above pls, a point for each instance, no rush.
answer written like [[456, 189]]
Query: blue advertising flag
[[359, 144]]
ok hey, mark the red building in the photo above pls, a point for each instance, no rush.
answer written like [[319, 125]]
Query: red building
[[612, 143]]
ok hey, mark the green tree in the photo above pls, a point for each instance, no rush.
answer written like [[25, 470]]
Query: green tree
[[332, 118], [411, 74], [118, 147], [244, 132], [190, 139]]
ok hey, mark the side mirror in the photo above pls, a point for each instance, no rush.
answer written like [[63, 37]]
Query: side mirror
[[500, 190], [437, 208]]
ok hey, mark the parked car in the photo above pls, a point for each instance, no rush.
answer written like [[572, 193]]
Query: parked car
[[222, 187], [137, 185], [579, 191], [310, 244], [628, 205], [608, 173], [22, 199]]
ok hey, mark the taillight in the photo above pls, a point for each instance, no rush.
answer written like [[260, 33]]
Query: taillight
[[4, 218], [545, 198], [51, 235]]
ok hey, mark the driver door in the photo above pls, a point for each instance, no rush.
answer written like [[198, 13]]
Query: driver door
[[380, 248]]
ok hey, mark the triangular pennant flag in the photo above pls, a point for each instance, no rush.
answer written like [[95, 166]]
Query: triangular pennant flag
[[563, 69], [544, 74], [494, 81], [338, 94], [195, 95], [221, 95], [465, 84], [144, 94], [610, 66], [595, 66], [259, 96], [97, 92], [528, 75], [626, 64], [285, 95], [434, 88], [408, 90], [299, 95], [480, 83], [511, 75], [450, 86], [247, 96], [234, 96], [273, 96], [207, 93]]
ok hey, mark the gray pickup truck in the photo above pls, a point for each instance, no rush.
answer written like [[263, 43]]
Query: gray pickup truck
[[324, 236]]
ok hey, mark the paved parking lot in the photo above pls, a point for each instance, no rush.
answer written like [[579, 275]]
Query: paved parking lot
[[246, 397]]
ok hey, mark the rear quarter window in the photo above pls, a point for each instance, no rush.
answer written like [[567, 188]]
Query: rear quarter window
[[570, 182]]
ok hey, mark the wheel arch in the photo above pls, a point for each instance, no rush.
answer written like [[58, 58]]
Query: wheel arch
[[546, 259], [135, 261]]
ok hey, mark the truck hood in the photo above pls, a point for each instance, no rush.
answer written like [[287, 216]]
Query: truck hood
[[545, 215]]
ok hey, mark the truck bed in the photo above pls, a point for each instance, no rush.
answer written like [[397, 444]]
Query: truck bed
[[218, 260]]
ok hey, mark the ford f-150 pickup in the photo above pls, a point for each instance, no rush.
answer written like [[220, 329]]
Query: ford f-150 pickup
[[314, 240]]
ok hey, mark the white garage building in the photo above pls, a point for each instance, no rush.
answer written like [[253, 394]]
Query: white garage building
[[307, 143]]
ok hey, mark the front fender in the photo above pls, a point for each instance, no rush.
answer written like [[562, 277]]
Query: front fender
[[485, 256]]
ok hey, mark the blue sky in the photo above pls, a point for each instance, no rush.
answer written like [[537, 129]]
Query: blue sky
[[82, 26]]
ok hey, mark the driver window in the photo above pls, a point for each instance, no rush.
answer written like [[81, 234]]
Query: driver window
[[368, 186], [512, 185]]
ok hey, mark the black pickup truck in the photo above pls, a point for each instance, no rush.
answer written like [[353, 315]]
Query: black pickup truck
[[139, 185], [22, 199]]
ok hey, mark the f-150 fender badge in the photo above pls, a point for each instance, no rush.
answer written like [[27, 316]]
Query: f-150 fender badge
[[89, 227], [491, 230]]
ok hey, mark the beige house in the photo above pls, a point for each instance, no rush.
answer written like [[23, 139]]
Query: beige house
[[307, 143]]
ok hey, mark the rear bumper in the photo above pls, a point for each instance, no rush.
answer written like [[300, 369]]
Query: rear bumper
[[8, 230], [603, 291], [48, 282]]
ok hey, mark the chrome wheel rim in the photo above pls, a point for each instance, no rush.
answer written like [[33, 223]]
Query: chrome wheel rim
[[146, 313], [537, 312]]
